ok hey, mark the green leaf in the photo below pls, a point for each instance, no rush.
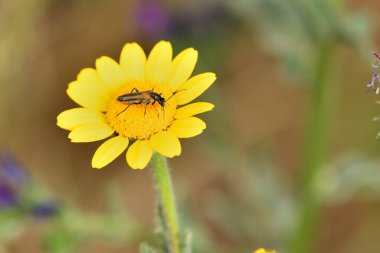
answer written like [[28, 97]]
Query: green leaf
[[187, 241], [145, 248], [60, 241]]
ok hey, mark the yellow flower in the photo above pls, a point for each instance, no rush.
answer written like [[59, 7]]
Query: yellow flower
[[154, 111], [261, 250]]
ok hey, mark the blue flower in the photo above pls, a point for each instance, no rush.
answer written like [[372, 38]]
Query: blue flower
[[45, 210]]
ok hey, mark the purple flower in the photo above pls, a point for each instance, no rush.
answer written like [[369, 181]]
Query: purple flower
[[8, 197], [14, 183], [374, 84], [11, 171], [152, 18], [12, 177], [377, 63]]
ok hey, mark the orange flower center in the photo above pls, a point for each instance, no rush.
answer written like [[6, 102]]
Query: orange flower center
[[134, 110]]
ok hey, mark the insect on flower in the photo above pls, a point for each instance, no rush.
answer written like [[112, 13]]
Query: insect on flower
[[111, 110], [142, 97]]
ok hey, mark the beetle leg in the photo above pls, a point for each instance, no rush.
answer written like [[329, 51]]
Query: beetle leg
[[146, 105]]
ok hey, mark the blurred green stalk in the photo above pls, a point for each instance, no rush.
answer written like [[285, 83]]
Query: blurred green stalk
[[315, 151], [166, 201]]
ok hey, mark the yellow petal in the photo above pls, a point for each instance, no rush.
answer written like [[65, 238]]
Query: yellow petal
[[73, 118], [182, 67], [192, 109], [194, 87], [108, 151], [188, 127], [166, 143], [88, 95], [132, 61], [139, 154], [159, 62], [91, 132], [110, 72], [91, 77]]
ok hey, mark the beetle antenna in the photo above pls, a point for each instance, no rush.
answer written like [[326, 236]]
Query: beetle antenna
[[174, 93], [123, 110]]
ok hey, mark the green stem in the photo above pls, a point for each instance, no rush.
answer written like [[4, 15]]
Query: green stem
[[315, 152], [167, 205]]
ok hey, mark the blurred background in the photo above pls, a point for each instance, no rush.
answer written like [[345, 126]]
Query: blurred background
[[289, 160]]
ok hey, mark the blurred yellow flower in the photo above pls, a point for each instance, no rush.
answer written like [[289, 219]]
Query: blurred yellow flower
[[141, 102], [261, 250]]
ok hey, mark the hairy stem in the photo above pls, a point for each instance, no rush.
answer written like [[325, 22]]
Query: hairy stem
[[167, 204]]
